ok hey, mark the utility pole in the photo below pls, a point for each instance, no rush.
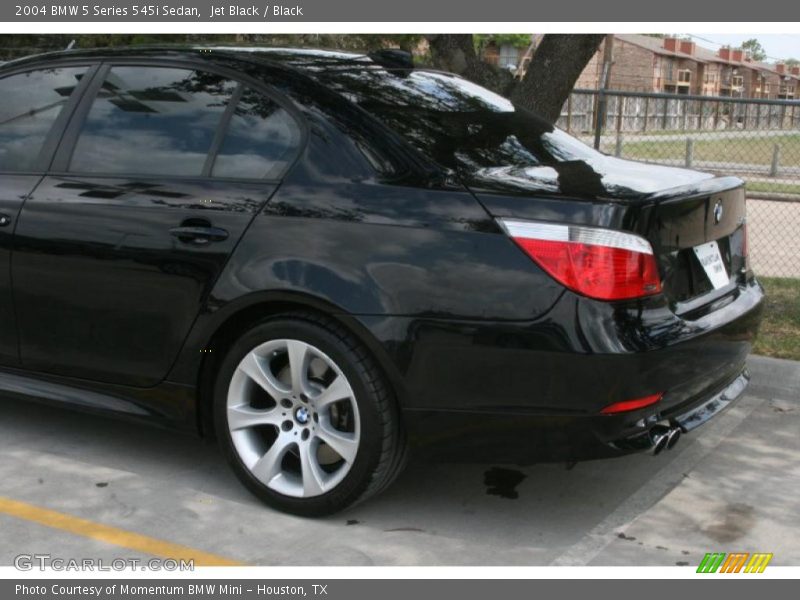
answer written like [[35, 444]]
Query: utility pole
[[602, 100], [525, 60]]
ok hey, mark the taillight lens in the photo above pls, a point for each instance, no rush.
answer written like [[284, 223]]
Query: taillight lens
[[629, 405], [599, 263]]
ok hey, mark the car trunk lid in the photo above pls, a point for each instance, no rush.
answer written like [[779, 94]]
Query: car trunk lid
[[683, 221], [637, 198]]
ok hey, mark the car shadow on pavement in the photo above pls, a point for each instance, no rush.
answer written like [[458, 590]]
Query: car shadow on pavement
[[544, 506]]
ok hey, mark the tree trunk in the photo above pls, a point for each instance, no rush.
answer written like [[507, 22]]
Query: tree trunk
[[555, 67], [551, 75]]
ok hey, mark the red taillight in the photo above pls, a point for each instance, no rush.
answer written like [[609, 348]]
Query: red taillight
[[599, 263], [629, 405]]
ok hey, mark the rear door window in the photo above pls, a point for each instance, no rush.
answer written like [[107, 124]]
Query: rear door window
[[261, 139], [167, 121], [152, 121]]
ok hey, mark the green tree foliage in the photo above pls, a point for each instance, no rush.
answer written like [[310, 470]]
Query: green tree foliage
[[755, 48], [518, 40]]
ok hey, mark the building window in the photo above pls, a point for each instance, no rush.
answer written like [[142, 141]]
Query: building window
[[738, 81], [710, 78], [786, 91], [668, 66], [509, 57], [684, 76]]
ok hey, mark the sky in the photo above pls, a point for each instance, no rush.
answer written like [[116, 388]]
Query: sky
[[776, 46]]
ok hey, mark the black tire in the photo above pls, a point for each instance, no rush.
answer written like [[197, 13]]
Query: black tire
[[382, 449]]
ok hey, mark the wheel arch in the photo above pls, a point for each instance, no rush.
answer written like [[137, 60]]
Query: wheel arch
[[235, 319]]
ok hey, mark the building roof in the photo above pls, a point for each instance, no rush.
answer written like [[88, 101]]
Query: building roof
[[655, 45], [701, 54]]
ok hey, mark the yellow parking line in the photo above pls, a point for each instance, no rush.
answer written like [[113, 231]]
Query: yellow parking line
[[110, 535]]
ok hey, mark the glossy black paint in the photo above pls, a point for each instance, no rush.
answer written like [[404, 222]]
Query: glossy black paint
[[14, 191], [77, 234], [486, 353]]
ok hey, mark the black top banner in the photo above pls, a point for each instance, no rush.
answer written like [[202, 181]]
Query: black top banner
[[405, 11]]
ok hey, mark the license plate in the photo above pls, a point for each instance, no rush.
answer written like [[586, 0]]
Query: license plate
[[711, 260]]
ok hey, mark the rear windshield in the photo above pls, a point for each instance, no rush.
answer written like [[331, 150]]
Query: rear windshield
[[457, 123]]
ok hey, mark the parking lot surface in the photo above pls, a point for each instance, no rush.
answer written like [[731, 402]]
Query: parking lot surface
[[78, 486]]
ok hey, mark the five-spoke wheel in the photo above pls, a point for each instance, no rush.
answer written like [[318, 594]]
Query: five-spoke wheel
[[305, 416], [293, 418]]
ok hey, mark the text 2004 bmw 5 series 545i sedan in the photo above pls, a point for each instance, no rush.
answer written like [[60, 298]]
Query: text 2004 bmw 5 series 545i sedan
[[327, 259]]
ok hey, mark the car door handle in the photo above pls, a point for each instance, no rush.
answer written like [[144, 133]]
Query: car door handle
[[199, 234]]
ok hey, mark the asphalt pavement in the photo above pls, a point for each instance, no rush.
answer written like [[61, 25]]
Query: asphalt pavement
[[78, 486]]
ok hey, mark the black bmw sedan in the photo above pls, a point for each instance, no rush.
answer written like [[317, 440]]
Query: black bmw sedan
[[329, 261]]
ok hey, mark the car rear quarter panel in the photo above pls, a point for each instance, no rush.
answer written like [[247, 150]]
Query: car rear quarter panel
[[338, 234], [451, 304]]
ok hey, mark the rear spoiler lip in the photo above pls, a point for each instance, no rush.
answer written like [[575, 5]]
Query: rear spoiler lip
[[702, 188]]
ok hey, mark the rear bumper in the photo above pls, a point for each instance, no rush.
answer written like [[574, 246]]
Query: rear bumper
[[689, 419], [525, 439], [528, 392]]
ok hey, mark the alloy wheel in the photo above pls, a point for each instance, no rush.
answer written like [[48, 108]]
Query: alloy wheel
[[293, 418]]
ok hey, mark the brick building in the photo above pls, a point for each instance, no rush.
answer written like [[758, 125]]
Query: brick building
[[644, 63], [788, 87]]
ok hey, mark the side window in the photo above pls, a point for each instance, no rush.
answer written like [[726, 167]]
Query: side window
[[29, 105], [260, 140], [152, 121]]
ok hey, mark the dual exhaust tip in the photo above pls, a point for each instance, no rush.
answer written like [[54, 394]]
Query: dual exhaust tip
[[663, 437]]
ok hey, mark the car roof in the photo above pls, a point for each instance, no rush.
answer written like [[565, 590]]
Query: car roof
[[297, 58]]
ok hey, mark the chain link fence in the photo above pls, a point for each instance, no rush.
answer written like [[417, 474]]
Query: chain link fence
[[756, 140]]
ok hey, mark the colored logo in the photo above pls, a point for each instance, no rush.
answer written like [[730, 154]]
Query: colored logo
[[735, 562]]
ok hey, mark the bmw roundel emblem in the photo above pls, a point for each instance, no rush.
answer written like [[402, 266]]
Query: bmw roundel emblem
[[718, 212], [302, 415]]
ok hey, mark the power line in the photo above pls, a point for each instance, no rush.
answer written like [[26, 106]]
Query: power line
[[697, 37]]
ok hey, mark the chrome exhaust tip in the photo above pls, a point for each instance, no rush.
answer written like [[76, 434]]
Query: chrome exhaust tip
[[659, 437], [672, 437]]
